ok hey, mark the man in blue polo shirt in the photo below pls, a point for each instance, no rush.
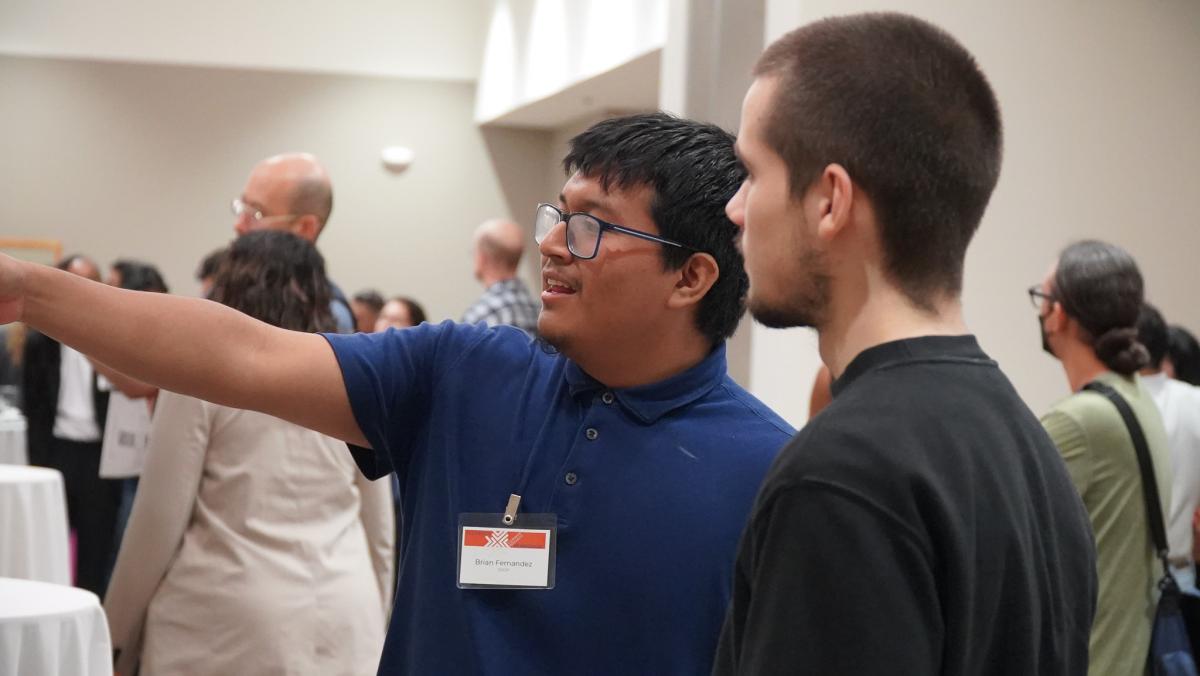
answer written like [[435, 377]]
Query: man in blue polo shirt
[[634, 456]]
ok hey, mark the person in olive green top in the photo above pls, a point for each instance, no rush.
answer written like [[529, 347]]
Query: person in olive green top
[[1088, 308]]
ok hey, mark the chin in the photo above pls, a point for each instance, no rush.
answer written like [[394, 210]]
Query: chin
[[551, 334], [779, 316]]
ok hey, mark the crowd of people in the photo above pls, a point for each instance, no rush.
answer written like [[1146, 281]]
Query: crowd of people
[[640, 512]]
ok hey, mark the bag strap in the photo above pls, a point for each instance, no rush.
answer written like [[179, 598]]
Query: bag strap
[[1158, 532]]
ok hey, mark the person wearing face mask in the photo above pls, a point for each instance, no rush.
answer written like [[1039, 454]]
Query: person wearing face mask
[[1088, 309]]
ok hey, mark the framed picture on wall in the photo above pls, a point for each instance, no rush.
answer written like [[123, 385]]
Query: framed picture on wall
[[46, 251]]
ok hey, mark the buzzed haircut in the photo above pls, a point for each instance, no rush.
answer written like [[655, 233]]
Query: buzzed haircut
[[313, 196], [904, 108]]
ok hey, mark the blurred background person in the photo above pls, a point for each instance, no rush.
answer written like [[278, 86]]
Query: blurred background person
[[1088, 309], [12, 347], [208, 270], [291, 192], [506, 300], [366, 306], [66, 404], [1179, 404], [127, 425], [255, 546], [1183, 356], [400, 313]]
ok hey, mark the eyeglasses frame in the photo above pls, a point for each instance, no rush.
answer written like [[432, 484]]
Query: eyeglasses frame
[[565, 216], [255, 215]]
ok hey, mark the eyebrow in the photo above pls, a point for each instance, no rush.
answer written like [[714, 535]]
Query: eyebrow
[[588, 205]]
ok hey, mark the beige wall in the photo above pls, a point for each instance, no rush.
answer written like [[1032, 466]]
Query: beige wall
[[141, 161], [1100, 103]]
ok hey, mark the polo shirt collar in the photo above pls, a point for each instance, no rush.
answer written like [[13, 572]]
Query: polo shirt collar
[[650, 402], [923, 348]]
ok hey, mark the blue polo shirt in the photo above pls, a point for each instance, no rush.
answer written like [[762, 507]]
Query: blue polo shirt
[[651, 485]]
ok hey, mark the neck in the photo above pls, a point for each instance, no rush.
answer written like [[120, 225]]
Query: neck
[[1081, 365], [878, 316], [642, 361], [491, 276], [1151, 371]]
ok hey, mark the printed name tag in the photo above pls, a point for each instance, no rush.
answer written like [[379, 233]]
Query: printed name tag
[[494, 556]]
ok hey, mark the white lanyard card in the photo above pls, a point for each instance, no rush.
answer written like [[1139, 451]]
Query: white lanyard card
[[492, 555]]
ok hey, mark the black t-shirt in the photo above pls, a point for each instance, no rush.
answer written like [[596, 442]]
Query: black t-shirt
[[922, 524]]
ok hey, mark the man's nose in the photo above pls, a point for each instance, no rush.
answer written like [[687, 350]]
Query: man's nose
[[554, 244]]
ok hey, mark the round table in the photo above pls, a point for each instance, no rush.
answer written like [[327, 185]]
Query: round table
[[52, 630], [12, 436], [33, 525]]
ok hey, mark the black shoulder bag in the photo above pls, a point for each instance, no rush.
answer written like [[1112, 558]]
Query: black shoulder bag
[[1170, 649]]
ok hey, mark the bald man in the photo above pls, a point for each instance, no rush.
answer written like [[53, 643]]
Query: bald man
[[506, 300], [291, 192]]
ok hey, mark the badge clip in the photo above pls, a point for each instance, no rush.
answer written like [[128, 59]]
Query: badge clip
[[510, 512]]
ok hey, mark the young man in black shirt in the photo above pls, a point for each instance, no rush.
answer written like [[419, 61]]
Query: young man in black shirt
[[924, 522]]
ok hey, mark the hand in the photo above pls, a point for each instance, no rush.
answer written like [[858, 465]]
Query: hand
[[12, 297]]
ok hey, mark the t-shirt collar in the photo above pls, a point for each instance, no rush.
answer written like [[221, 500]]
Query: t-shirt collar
[[650, 402], [907, 350]]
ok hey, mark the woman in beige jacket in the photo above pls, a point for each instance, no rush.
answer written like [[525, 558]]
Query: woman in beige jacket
[[255, 546]]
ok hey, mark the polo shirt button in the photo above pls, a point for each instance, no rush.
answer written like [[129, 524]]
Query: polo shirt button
[[571, 478], [591, 434], [607, 397]]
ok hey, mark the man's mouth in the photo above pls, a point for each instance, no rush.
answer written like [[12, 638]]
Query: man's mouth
[[555, 286]]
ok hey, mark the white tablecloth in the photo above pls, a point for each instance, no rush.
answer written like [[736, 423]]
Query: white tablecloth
[[52, 630], [12, 437], [33, 525]]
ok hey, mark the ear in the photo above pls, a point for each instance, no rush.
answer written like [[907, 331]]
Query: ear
[[834, 194], [696, 277], [307, 227], [1056, 319]]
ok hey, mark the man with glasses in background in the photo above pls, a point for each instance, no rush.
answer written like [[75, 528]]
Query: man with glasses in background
[[572, 503], [291, 192]]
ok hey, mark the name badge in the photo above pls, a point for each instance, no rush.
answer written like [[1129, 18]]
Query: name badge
[[493, 555]]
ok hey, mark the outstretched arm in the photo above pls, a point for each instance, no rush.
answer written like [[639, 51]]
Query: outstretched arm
[[186, 345]]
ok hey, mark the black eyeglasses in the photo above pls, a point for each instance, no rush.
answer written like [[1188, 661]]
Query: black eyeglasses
[[584, 230], [1037, 297]]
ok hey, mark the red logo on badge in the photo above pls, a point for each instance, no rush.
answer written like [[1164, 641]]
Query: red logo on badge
[[505, 539]]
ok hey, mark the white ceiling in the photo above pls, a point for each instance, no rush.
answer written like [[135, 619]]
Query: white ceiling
[[424, 39]]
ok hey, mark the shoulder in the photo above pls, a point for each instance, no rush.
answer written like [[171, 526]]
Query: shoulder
[[1080, 419], [754, 410], [448, 340]]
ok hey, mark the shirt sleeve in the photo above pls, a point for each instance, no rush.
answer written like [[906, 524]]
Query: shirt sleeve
[[390, 379], [1068, 435], [823, 580], [163, 508]]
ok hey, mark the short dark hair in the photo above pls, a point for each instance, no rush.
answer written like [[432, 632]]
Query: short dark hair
[[278, 278], [693, 172], [371, 298], [416, 313], [1152, 332], [139, 276], [905, 109], [210, 264], [1099, 286], [1185, 354]]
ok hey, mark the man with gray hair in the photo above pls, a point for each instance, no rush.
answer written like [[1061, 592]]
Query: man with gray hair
[[506, 300], [291, 192]]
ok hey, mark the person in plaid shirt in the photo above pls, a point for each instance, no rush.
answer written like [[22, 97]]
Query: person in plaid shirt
[[506, 300]]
